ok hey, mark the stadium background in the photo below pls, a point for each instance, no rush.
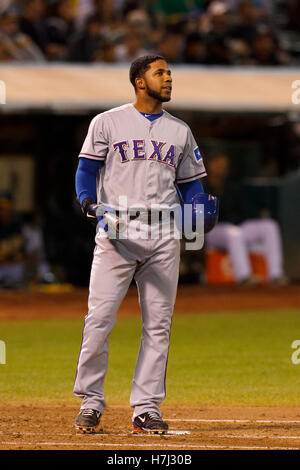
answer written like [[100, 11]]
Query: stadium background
[[233, 69]]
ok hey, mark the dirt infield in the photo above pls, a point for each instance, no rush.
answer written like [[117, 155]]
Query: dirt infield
[[190, 299], [194, 428], [37, 426]]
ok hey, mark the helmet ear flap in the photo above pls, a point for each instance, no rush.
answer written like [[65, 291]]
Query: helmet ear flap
[[211, 209]]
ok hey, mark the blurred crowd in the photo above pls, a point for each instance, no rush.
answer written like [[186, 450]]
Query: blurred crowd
[[23, 258], [208, 32]]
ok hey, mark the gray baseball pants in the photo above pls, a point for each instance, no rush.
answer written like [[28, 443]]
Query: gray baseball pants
[[154, 264]]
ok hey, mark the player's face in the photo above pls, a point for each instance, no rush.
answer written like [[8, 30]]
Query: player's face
[[158, 81]]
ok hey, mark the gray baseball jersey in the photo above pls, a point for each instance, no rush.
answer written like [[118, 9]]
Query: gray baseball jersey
[[143, 161]]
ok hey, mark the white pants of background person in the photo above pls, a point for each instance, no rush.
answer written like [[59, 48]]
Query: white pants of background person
[[11, 273], [34, 246], [257, 235]]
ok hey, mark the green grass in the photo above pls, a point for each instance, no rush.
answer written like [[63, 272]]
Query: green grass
[[215, 359]]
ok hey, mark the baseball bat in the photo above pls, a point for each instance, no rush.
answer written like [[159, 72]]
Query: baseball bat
[[113, 222], [111, 219]]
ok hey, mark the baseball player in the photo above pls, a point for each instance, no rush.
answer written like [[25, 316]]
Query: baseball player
[[140, 151]]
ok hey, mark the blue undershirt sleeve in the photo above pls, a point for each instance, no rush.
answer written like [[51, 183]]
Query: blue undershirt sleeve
[[188, 190], [85, 179]]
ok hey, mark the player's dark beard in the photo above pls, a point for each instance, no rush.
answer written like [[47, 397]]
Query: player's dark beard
[[157, 96]]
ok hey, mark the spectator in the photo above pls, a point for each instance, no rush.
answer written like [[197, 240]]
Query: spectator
[[32, 23], [228, 28], [88, 44], [37, 265], [195, 51], [266, 50], [22, 253], [12, 249], [60, 26], [154, 38], [84, 10], [293, 15], [15, 45], [245, 24], [4, 53], [171, 46], [262, 9], [107, 10], [128, 5], [238, 235], [131, 48], [253, 41], [5, 5], [218, 49], [107, 53], [243, 30], [174, 9], [138, 22]]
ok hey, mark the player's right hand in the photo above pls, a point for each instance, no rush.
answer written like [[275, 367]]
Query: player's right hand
[[89, 209]]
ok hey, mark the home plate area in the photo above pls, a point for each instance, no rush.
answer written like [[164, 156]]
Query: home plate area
[[168, 433]]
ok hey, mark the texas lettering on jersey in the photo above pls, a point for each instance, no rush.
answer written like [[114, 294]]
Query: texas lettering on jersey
[[136, 150], [142, 160]]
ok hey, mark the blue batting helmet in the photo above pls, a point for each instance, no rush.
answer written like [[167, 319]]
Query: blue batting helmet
[[211, 210]]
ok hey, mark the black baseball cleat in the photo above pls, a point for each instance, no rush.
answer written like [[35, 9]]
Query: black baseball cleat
[[87, 420], [150, 422]]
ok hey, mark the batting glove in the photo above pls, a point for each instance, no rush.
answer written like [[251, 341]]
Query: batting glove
[[89, 209]]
